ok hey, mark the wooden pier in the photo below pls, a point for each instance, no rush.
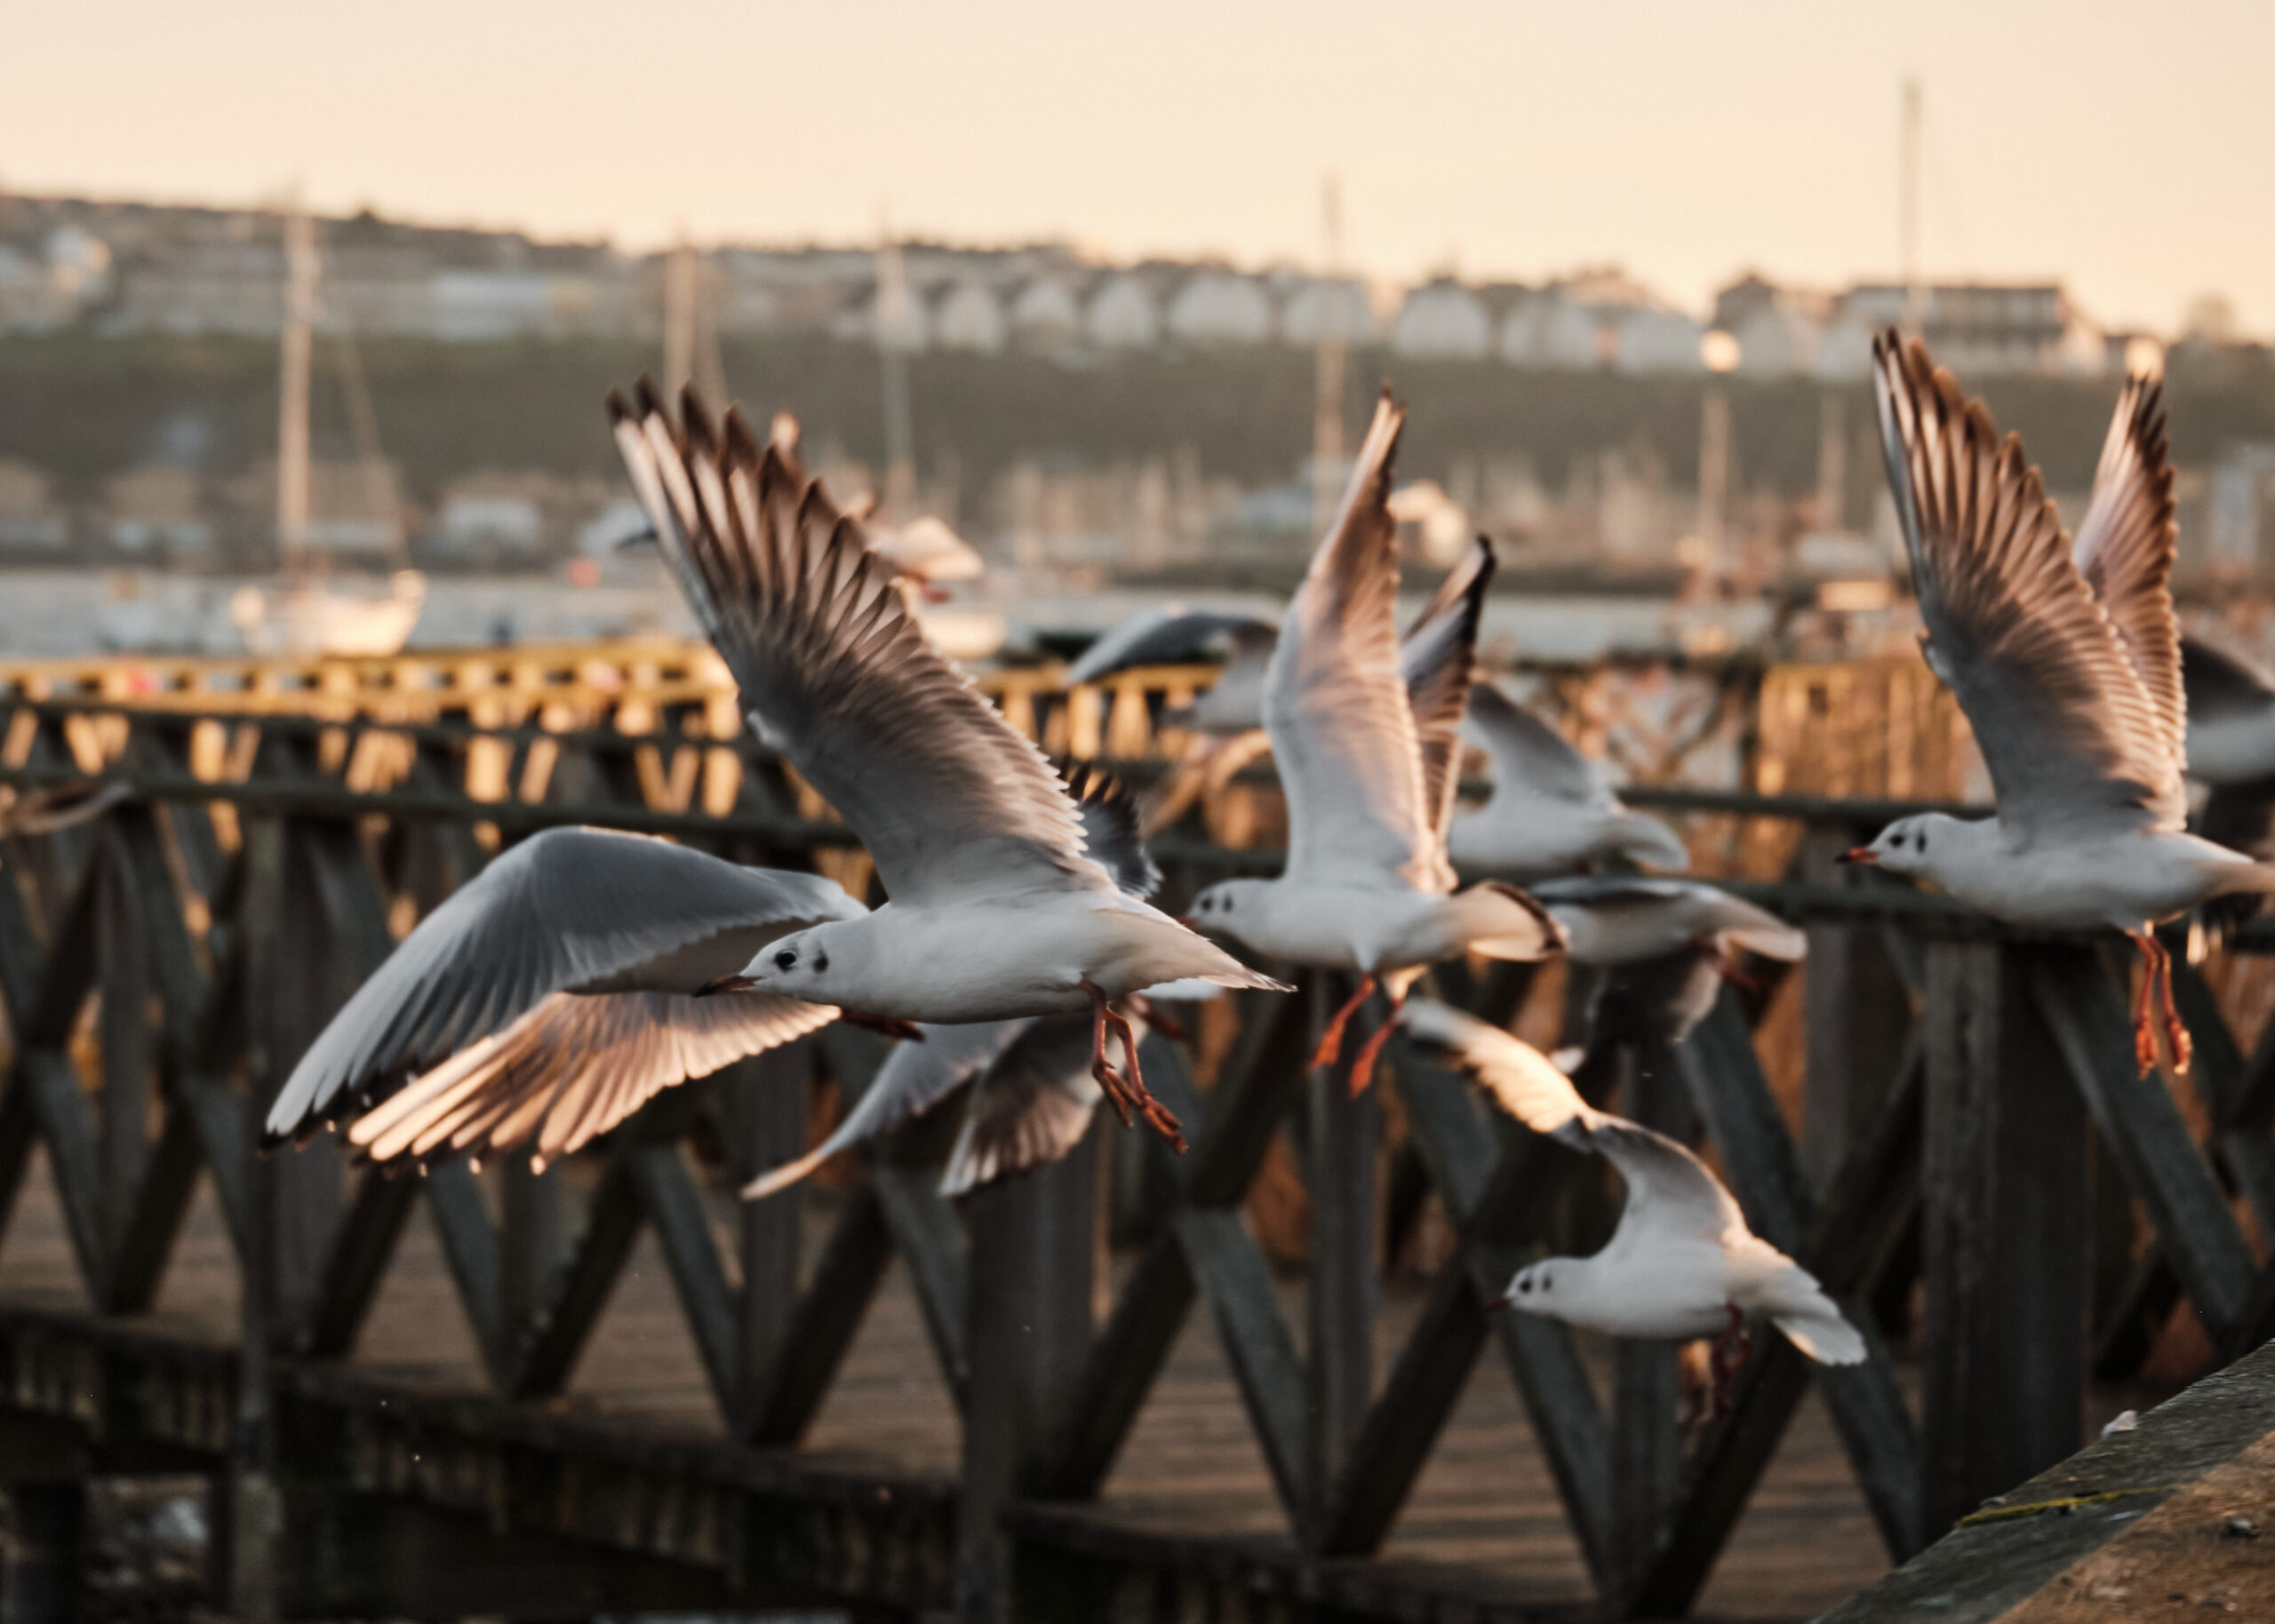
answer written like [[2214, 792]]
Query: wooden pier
[[1255, 1381]]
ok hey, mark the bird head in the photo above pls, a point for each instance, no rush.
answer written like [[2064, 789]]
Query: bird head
[[1227, 907], [1908, 846]]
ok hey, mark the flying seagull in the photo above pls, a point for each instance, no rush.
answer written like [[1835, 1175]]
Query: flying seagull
[[1666, 946], [551, 996], [1035, 1094], [2232, 750], [1681, 1264], [1170, 634], [996, 909], [1367, 740], [1552, 811], [2067, 666]]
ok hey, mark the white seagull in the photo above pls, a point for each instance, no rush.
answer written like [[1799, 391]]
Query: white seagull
[[1681, 1264], [1666, 946], [1171, 634], [2067, 667], [554, 994], [1034, 1093], [2230, 750], [1367, 746], [1552, 811], [997, 909]]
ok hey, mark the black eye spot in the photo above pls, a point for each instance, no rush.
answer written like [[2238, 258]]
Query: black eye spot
[[821, 961], [784, 959], [1524, 1289]]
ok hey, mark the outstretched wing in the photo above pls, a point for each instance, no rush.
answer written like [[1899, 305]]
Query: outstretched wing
[[1334, 702], [2125, 549], [1437, 660], [1669, 1190], [947, 797], [575, 1066], [2070, 732], [568, 908], [1167, 635], [1033, 1107], [914, 1077], [1528, 757], [1110, 828]]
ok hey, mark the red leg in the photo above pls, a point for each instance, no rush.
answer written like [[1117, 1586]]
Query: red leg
[[1158, 1115], [2144, 1030], [1362, 1069], [2177, 1036], [1330, 1041], [1108, 1079]]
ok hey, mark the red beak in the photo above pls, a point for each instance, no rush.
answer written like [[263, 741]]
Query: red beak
[[1860, 854]]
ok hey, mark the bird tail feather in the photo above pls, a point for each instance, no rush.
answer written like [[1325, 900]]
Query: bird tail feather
[[1647, 840], [2258, 879], [1811, 1320]]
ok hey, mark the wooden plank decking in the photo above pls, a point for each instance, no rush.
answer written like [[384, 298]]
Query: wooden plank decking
[[1484, 1503]]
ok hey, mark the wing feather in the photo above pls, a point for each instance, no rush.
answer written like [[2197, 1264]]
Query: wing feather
[[1437, 660], [2070, 732], [1335, 704], [566, 908], [948, 796], [2125, 549], [573, 1067]]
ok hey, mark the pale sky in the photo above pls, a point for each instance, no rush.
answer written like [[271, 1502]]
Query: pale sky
[[2129, 151]]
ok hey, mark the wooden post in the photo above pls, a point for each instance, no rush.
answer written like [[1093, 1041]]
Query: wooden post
[[530, 1243], [2003, 1233], [1645, 1429], [1855, 1014], [768, 1098], [1029, 1333], [246, 1556], [39, 1577], [128, 1045], [1346, 1137]]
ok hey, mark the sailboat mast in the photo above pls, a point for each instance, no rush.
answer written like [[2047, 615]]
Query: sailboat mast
[[293, 409], [1327, 406]]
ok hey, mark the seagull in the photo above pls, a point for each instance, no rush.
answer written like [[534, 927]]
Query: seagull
[[2232, 750], [997, 909], [1035, 1093], [1032, 1102], [552, 995], [1552, 811], [1681, 1264], [1665, 946], [2068, 667], [1171, 634], [1367, 740]]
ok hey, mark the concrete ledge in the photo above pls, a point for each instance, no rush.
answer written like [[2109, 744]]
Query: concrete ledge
[[2174, 1518]]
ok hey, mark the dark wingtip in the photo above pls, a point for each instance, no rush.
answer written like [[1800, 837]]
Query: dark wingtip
[[620, 410], [742, 445], [651, 398]]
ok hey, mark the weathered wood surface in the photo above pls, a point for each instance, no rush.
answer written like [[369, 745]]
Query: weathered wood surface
[[2139, 1524], [1483, 1506]]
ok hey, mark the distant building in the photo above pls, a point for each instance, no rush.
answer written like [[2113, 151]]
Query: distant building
[[1775, 341], [1122, 314], [1984, 328], [1314, 305], [1047, 313], [156, 508], [1442, 320], [1650, 340], [970, 316], [1546, 330], [1220, 306], [30, 519]]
